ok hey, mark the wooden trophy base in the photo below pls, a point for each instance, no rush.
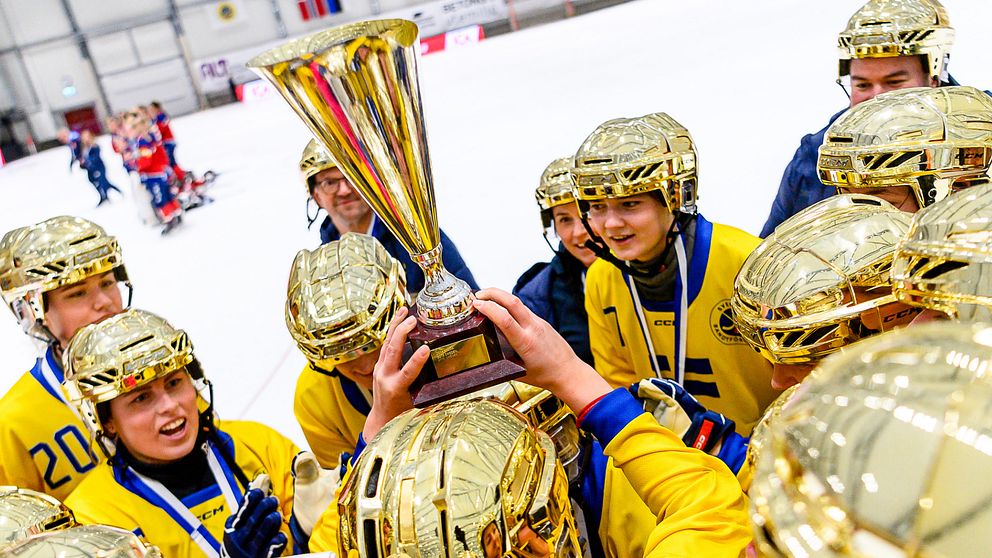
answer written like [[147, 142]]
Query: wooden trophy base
[[465, 357]]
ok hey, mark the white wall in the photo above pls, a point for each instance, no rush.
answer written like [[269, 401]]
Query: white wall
[[36, 20], [51, 63], [90, 14]]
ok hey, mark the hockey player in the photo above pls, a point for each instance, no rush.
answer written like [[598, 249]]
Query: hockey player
[[520, 504], [163, 123], [887, 44], [175, 474], [943, 264], [659, 298], [153, 168], [340, 299], [96, 171], [816, 285], [127, 149], [555, 291], [73, 140], [348, 212], [880, 453], [911, 147], [56, 276]]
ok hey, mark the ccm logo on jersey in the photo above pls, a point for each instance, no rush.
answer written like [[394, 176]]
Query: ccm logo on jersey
[[211, 513]]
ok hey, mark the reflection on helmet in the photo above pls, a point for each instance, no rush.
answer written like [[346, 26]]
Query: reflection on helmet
[[945, 262], [887, 28], [341, 298], [883, 451], [932, 140], [629, 156], [315, 158], [808, 289], [120, 354], [24, 513], [462, 478], [85, 541], [54, 253]]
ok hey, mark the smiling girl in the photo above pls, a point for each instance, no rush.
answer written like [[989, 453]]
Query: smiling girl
[[658, 297]]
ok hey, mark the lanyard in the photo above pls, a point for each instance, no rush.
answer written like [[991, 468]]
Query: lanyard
[[158, 495], [681, 311]]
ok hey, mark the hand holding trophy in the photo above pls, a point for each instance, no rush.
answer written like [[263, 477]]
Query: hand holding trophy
[[356, 88]]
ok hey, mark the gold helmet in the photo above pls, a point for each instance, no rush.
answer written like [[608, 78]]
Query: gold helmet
[[555, 188], [461, 478], [629, 156], [888, 28], [120, 354], [933, 140], [883, 451], [806, 290], [24, 513], [85, 541], [546, 412], [315, 158], [40, 258], [341, 298], [945, 261]]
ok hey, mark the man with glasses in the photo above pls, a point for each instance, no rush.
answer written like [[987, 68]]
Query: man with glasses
[[348, 212]]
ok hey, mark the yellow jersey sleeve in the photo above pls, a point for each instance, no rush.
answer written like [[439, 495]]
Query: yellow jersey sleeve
[[43, 444], [699, 505], [610, 349], [326, 409]]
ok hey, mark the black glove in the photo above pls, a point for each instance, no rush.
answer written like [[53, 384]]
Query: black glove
[[253, 531]]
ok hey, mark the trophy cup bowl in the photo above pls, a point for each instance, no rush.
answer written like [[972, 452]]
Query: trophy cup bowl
[[356, 88]]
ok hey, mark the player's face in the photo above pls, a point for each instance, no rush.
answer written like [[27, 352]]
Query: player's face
[[634, 227], [335, 195], [360, 369], [158, 422], [872, 76], [902, 197], [785, 376], [572, 232], [69, 308]]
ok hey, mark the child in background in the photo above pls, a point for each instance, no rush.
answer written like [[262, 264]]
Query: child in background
[[96, 171], [153, 169]]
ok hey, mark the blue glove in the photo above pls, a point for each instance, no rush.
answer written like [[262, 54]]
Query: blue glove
[[253, 531]]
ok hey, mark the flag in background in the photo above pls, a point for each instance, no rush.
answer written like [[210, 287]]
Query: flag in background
[[314, 9]]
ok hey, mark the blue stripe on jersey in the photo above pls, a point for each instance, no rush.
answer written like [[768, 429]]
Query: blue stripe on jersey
[[354, 395], [56, 367], [201, 496], [697, 269], [593, 485]]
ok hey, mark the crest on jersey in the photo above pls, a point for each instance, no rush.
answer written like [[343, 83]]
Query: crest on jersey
[[722, 324]]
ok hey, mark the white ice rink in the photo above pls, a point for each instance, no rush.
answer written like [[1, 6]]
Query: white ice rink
[[748, 78]]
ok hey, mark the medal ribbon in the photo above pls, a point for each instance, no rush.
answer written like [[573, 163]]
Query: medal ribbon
[[158, 495]]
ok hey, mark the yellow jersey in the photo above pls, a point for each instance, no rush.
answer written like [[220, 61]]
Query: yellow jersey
[[721, 370], [44, 445], [113, 494], [331, 410]]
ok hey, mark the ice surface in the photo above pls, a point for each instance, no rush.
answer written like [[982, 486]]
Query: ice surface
[[747, 78]]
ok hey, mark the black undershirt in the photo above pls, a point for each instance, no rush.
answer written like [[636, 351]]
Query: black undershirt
[[183, 477], [660, 285]]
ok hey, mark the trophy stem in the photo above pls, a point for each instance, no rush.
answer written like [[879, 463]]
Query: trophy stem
[[445, 299]]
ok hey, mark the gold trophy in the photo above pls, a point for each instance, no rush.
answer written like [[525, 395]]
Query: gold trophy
[[356, 88]]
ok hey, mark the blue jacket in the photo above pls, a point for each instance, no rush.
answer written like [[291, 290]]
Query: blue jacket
[[452, 260], [555, 292], [801, 186], [92, 161], [75, 144]]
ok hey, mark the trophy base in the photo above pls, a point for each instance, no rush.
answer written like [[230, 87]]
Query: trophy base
[[465, 357]]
